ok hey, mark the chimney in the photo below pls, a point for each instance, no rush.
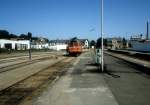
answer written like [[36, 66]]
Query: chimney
[[147, 33]]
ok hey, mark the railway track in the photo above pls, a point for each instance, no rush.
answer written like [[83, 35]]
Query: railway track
[[25, 62], [5, 56], [11, 59], [14, 94]]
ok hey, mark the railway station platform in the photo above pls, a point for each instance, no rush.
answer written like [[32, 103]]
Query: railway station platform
[[139, 62], [83, 84]]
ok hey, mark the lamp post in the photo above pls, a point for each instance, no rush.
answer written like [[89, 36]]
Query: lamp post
[[30, 51], [102, 48], [30, 36]]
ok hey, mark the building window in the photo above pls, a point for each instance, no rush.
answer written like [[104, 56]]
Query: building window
[[8, 46]]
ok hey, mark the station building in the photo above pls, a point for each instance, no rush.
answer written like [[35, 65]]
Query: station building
[[114, 43], [39, 43], [15, 44], [85, 43]]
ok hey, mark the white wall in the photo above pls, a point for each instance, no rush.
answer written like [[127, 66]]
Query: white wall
[[40, 46], [12, 42], [86, 43], [58, 47], [61, 47]]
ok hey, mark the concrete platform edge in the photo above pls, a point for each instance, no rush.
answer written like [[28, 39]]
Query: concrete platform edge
[[133, 63]]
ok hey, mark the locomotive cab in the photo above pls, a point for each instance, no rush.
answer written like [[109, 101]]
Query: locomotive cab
[[74, 47]]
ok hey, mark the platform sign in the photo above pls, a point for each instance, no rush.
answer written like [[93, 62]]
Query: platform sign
[[98, 56]]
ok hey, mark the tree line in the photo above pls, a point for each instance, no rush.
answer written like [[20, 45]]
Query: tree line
[[4, 34], [105, 42]]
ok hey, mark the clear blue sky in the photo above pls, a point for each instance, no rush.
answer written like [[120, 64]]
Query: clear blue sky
[[68, 18]]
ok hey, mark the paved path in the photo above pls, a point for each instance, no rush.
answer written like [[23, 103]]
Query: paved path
[[128, 84], [82, 85]]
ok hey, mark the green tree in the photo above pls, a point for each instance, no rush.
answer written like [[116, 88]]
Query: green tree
[[46, 40], [98, 43], [13, 36], [74, 39], [23, 36], [124, 42], [4, 34], [99, 40], [29, 35], [92, 43]]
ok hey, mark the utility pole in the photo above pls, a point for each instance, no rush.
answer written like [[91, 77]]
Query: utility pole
[[102, 48], [147, 33], [30, 36]]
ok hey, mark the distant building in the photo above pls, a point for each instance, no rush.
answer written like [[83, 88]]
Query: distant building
[[114, 43], [85, 43], [14, 44], [139, 44], [58, 44], [135, 38], [39, 43]]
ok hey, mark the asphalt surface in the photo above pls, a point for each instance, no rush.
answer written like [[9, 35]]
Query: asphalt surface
[[128, 83]]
